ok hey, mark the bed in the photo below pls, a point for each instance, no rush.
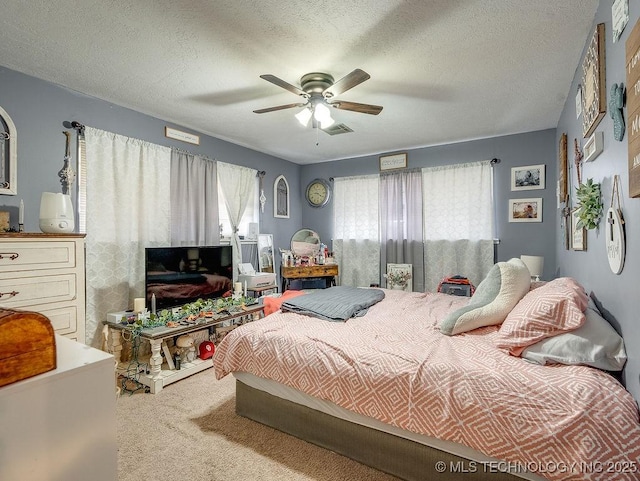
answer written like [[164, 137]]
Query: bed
[[401, 390]]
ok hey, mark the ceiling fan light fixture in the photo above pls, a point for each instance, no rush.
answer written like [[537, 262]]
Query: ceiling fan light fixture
[[322, 114], [304, 116]]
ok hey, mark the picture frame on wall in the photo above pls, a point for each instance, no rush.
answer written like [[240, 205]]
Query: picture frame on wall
[[528, 177], [578, 235], [594, 95], [563, 174], [525, 210], [393, 161]]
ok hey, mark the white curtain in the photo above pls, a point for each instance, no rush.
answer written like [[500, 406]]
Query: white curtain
[[401, 223], [356, 242], [194, 200], [238, 186], [458, 222], [128, 209]]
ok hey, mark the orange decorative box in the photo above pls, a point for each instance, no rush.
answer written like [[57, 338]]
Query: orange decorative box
[[27, 345]]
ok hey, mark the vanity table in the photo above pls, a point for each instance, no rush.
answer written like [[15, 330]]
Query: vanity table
[[305, 244], [326, 272]]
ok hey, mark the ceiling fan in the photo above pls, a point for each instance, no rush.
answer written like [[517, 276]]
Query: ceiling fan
[[318, 91]]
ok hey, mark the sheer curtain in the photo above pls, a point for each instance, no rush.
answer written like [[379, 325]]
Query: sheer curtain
[[401, 223], [458, 222], [238, 186], [194, 200], [356, 242], [127, 210]]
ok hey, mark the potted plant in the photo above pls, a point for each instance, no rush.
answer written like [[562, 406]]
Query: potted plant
[[589, 204]]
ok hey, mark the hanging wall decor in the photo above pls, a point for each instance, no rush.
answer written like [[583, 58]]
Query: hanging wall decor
[[563, 175], [633, 109], [616, 103], [67, 174], [615, 238], [281, 198], [594, 99], [8, 155]]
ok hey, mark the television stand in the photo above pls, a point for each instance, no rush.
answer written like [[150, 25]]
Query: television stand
[[162, 374]]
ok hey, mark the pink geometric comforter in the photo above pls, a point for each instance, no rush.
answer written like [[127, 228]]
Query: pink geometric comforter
[[394, 365]]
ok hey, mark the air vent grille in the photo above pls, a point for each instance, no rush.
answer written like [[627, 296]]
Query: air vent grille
[[336, 129]]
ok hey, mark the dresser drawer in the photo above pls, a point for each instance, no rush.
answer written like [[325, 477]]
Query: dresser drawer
[[22, 292], [63, 319], [36, 256]]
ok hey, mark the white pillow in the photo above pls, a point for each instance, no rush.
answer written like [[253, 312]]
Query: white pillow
[[595, 344], [498, 293]]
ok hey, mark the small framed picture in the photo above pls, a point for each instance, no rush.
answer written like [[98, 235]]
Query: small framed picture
[[578, 235], [527, 177], [394, 161], [525, 210]]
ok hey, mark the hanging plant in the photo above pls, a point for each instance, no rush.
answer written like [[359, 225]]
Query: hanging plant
[[589, 205]]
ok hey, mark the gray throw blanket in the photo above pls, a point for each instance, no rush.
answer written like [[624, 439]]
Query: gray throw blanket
[[337, 303]]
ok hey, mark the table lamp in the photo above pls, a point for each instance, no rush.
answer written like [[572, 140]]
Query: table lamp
[[534, 264]]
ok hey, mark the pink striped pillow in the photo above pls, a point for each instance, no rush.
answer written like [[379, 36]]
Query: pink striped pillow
[[551, 309]]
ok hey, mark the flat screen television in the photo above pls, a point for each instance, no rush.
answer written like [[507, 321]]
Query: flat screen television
[[179, 275]]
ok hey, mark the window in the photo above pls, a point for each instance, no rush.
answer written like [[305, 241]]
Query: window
[[250, 215]]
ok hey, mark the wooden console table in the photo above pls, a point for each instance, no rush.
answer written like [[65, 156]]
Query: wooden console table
[[328, 272], [160, 374]]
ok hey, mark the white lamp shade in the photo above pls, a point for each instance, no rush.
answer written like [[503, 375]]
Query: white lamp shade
[[304, 116], [535, 265]]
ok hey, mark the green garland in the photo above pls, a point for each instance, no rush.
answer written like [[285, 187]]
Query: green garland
[[199, 309]]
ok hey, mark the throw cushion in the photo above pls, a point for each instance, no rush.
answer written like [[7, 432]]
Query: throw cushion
[[595, 344], [554, 308], [505, 284]]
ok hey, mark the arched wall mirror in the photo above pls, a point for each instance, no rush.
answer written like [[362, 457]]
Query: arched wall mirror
[[281, 198], [265, 253], [305, 242], [8, 155]]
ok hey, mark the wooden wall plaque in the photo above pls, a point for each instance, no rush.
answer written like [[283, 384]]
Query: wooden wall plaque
[[633, 108]]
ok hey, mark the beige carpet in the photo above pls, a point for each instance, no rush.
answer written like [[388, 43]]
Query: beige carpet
[[189, 431]]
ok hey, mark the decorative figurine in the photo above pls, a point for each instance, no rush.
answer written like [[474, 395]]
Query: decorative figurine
[[616, 102]]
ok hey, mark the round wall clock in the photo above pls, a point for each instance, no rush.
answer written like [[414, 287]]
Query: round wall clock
[[318, 193]]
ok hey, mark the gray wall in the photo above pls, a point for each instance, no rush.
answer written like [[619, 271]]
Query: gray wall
[[39, 108], [531, 148], [616, 293]]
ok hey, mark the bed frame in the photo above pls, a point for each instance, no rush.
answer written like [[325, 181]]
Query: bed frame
[[400, 457]]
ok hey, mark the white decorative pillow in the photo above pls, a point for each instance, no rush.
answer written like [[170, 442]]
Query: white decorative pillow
[[505, 284], [594, 344]]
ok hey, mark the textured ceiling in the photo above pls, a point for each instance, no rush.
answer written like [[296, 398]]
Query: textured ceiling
[[444, 70]]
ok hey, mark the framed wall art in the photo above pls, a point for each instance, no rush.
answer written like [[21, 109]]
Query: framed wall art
[[525, 210], [393, 162], [563, 174], [528, 177], [594, 95], [578, 235], [281, 198]]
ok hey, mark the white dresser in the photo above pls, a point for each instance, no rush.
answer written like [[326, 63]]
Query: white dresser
[[45, 273], [61, 424]]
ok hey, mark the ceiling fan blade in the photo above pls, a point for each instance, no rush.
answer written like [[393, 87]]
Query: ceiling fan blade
[[279, 107], [356, 107], [285, 85], [347, 82]]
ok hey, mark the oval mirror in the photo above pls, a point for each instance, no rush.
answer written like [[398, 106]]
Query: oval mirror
[[305, 242]]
